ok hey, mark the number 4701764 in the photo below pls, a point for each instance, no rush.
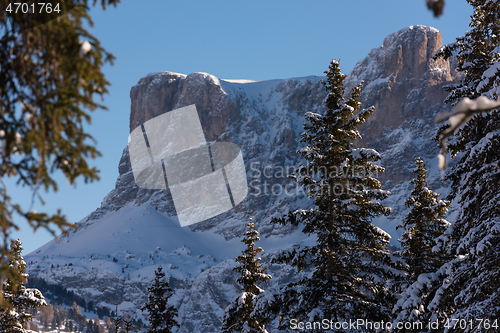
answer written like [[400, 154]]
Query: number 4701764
[[479, 323], [25, 8]]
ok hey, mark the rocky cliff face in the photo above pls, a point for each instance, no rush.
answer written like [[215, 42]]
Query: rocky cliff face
[[405, 85], [402, 80], [264, 119], [116, 249]]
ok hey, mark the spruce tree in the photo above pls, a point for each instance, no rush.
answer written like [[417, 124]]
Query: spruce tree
[[128, 324], [241, 316], [424, 251], [21, 299], [348, 265], [117, 321], [477, 54], [469, 286], [161, 316], [423, 224]]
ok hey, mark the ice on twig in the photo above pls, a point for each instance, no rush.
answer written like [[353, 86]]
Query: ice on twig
[[459, 115]]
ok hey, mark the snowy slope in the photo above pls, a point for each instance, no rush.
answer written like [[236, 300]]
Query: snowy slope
[[114, 261]]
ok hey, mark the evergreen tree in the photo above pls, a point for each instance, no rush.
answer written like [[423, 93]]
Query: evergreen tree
[[423, 224], [50, 80], [240, 315], [477, 53], [161, 316], [90, 326], [349, 263], [20, 298], [467, 285], [127, 324], [478, 57], [424, 251], [53, 325], [116, 321]]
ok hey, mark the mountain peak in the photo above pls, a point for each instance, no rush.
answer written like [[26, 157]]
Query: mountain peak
[[404, 54]]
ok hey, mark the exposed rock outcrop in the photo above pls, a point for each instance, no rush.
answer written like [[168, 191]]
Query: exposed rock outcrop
[[405, 85]]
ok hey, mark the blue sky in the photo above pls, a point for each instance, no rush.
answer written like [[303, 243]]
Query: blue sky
[[257, 40]]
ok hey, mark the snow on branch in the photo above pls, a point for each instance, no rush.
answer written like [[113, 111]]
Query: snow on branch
[[458, 116]]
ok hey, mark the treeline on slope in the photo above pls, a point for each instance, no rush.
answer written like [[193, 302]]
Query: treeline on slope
[[57, 318], [59, 295]]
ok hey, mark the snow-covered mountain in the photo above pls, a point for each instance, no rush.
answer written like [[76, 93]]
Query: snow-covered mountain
[[112, 255]]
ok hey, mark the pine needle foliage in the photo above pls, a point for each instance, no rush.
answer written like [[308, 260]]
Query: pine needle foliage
[[348, 267], [477, 53], [21, 299], [468, 285], [240, 315], [48, 86], [161, 316], [422, 226], [425, 246]]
